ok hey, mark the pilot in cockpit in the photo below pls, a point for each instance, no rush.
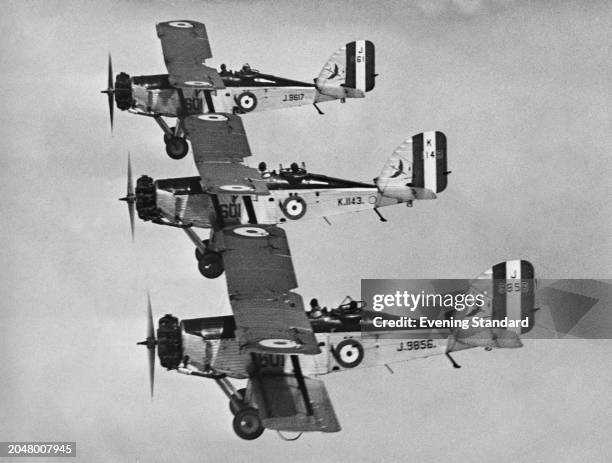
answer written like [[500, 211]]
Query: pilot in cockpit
[[315, 310], [246, 69], [224, 72]]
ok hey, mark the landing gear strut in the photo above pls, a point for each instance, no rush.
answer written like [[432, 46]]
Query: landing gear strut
[[238, 401], [176, 145], [247, 424], [210, 263]]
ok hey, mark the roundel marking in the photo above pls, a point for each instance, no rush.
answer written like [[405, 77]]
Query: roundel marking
[[235, 188], [278, 343], [348, 353], [181, 24], [254, 232], [247, 101], [294, 207], [372, 199], [197, 83], [212, 117]]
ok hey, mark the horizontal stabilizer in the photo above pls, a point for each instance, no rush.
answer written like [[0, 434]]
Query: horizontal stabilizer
[[417, 168], [508, 294], [349, 72]]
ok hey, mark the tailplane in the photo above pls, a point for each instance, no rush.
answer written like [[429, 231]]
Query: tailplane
[[417, 169], [348, 73], [508, 292]]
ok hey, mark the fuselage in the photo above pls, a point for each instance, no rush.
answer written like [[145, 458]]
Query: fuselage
[[244, 92], [293, 196], [206, 344]]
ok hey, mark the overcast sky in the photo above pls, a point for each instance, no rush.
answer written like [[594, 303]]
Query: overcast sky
[[522, 91]]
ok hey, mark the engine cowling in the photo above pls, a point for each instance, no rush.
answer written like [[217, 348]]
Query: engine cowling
[[146, 199], [169, 342], [123, 91]]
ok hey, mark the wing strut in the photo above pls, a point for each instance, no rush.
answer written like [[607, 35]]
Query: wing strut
[[297, 369]]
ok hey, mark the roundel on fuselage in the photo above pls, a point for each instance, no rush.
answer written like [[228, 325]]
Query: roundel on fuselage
[[348, 353], [246, 101], [294, 207]]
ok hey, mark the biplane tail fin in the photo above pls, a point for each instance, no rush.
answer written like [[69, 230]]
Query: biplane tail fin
[[349, 72], [417, 169], [508, 292]]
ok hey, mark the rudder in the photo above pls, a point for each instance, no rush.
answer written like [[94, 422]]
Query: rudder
[[419, 163], [349, 72]]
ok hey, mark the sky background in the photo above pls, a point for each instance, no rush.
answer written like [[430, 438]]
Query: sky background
[[522, 91]]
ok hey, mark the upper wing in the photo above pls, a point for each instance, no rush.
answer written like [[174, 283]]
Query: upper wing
[[219, 145], [185, 47], [260, 276]]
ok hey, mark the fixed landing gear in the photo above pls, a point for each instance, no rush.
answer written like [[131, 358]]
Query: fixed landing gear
[[210, 263], [176, 147], [247, 424], [238, 401]]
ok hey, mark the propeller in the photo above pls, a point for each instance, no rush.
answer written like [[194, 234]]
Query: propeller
[[110, 90], [151, 343], [130, 197]]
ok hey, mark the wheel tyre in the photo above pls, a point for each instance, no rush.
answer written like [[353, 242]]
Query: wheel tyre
[[177, 147], [247, 424], [211, 265], [198, 253]]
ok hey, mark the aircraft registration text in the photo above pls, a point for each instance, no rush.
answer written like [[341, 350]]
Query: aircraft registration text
[[416, 345], [351, 200], [293, 97]]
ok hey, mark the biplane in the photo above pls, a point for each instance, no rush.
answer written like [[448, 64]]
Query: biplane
[[281, 350], [228, 193], [191, 87]]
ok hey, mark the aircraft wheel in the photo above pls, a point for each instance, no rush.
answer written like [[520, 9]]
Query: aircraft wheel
[[168, 137], [211, 265], [198, 253], [247, 424], [177, 147]]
